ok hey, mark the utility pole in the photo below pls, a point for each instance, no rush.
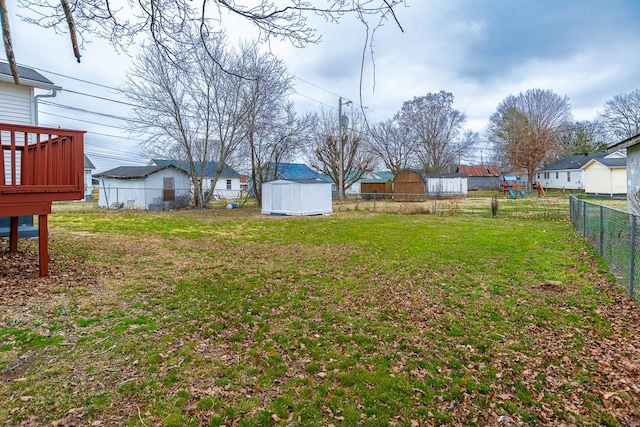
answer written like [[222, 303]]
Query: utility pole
[[341, 122]]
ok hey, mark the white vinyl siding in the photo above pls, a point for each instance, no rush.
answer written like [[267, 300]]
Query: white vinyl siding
[[16, 104]]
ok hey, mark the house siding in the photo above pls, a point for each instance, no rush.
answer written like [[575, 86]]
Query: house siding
[[16, 104], [141, 193], [600, 179], [633, 174]]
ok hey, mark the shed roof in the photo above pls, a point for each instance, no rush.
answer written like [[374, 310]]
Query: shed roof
[[28, 76], [479, 170], [572, 162], [616, 162], [629, 142], [446, 175], [134, 172], [209, 167]]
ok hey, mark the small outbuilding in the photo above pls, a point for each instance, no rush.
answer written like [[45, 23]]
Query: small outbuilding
[[447, 185], [144, 187], [606, 176], [409, 186], [296, 197]]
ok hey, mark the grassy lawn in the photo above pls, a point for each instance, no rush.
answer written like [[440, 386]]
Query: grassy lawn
[[229, 317]]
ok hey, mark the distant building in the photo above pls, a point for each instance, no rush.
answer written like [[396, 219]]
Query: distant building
[[481, 177]]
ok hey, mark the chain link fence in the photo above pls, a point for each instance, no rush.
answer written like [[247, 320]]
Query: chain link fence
[[613, 232], [473, 204]]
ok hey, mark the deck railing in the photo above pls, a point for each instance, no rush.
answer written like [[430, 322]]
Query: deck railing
[[40, 164]]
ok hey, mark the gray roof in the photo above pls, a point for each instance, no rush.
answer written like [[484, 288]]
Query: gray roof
[[28, 76], [134, 172], [87, 163], [209, 168], [616, 162], [572, 162]]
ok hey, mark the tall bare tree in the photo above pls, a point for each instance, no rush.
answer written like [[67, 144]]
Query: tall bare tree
[[526, 129], [435, 126], [189, 107], [621, 115], [324, 151], [391, 144], [273, 130], [170, 20]]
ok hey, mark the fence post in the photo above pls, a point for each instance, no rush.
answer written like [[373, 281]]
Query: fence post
[[633, 255], [584, 218], [601, 229]]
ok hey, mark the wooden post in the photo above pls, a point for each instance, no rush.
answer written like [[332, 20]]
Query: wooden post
[[43, 245], [13, 235]]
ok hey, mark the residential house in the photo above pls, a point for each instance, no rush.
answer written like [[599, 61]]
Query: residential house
[[39, 165], [88, 178], [481, 177], [606, 176], [18, 105], [567, 173], [228, 185], [632, 145], [144, 187], [290, 171]]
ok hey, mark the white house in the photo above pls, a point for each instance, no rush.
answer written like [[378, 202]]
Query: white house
[[606, 176], [144, 187], [19, 103], [88, 178], [228, 186], [296, 197], [568, 173]]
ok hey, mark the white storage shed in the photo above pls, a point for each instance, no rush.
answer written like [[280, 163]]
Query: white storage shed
[[296, 197]]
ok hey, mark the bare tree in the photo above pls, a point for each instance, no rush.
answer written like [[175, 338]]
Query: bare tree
[[272, 128], [170, 20], [621, 115], [526, 129], [189, 108], [392, 145], [324, 152], [435, 126], [587, 136]]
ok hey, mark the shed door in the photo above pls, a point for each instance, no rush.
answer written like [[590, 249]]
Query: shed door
[[168, 189], [276, 198]]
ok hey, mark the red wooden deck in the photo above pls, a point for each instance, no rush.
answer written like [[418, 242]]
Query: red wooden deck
[[38, 165]]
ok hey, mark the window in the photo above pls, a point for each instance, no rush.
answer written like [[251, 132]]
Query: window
[[557, 175], [568, 176], [228, 184]]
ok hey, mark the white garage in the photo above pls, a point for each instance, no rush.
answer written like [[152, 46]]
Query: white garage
[[296, 197]]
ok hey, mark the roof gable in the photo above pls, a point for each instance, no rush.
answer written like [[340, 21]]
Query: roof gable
[[210, 168], [610, 162], [134, 172]]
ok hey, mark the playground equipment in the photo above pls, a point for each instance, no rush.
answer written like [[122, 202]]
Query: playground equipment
[[540, 189]]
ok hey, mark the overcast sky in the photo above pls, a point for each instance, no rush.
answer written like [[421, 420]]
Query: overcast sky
[[481, 51]]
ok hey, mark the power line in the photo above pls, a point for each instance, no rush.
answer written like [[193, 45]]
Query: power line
[[68, 107], [102, 98]]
